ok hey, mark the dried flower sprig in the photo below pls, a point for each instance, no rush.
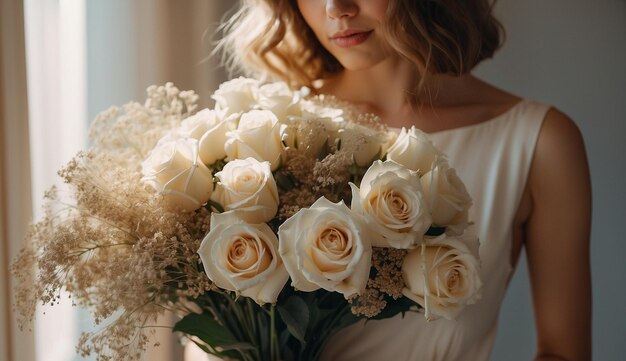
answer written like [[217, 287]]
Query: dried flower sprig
[[100, 242], [130, 132], [385, 282]]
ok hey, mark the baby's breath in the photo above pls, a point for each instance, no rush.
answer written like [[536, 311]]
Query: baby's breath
[[111, 243], [387, 282]]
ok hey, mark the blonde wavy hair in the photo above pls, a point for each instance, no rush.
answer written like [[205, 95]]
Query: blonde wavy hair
[[271, 38]]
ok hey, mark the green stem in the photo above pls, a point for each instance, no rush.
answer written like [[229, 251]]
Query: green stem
[[238, 310], [216, 311], [329, 332], [273, 338], [254, 329], [241, 328]]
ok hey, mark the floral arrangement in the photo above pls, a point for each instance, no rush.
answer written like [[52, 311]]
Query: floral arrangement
[[267, 224]]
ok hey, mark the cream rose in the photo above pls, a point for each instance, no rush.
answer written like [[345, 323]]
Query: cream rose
[[247, 187], [174, 170], [413, 150], [443, 276], [319, 109], [325, 246], [236, 95], [324, 126], [446, 196], [279, 99], [259, 136], [310, 134], [365, 144], [243, 257], [210, 130], [196, 125], [391, 203]]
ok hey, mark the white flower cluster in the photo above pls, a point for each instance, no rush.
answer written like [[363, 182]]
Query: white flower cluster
[[327, 245]]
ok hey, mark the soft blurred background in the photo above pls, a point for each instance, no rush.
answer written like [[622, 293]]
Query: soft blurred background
[[64, 61]]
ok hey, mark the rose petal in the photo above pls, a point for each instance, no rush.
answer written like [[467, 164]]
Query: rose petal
[[313, 264]]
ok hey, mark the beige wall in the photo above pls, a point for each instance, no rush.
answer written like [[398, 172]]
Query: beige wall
[[14, 172]]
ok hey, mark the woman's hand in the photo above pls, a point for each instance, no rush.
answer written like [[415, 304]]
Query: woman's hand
[[194, 353]]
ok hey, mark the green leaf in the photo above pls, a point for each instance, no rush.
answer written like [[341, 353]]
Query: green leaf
[[283, 338], [217, 166], [284, 182], [435, 231], [346, 320], [207, 329], [213, 206], [295, 313], [238, 346]]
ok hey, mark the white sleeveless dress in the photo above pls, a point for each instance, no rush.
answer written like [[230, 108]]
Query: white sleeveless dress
[[493, 159]]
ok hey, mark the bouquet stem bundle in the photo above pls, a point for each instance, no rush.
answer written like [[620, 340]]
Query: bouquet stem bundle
[[296, 328]]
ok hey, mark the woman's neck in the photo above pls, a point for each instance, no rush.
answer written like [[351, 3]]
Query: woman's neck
[[378, 89], [444, 102]]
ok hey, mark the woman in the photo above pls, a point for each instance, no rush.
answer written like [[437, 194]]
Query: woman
[[524, 163]]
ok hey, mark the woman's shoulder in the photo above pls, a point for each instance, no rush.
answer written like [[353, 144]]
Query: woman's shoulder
[[559, 130], [560, 156], [559, 137], [543, 119]]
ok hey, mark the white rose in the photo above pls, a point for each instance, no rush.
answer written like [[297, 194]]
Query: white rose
[[413, 150], [196, 125], [174, 170], [318, 108], [364, 143], [391, 139], [210, 130], [279, 99], [310, 134], [324, 246], [243, 257], [443, 276], [446, 196], [259, 136], [213, 141], [329, 119], [236, 95], [247, 187], [392, 206]]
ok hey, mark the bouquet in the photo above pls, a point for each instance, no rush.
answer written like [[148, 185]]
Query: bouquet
[[267, 224]]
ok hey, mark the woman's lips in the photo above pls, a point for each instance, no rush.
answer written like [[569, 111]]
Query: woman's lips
[[351, 39]]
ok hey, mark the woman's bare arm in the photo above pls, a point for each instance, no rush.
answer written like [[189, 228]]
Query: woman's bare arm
[[557, 241]]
